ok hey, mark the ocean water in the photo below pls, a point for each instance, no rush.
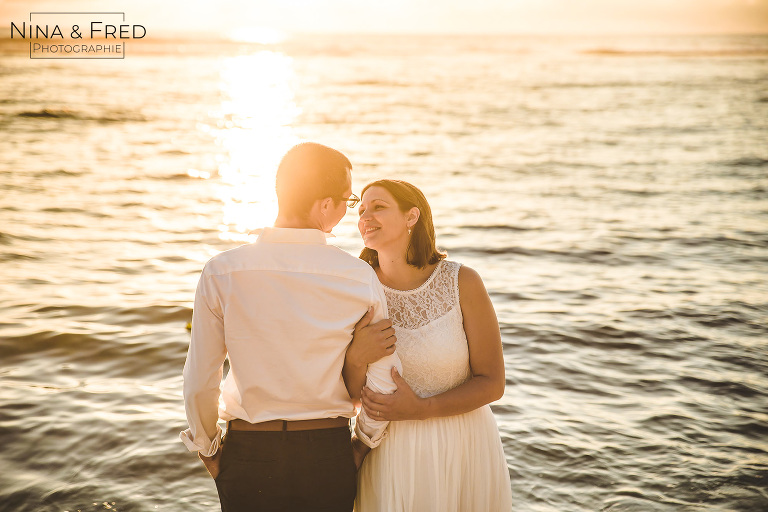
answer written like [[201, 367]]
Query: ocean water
[[611, 191]]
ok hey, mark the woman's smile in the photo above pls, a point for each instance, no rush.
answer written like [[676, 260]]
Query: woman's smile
[[376, 213]]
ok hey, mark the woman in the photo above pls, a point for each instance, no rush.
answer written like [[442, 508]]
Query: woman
[[443, 451]]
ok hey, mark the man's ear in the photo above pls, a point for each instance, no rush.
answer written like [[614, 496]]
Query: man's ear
[[326, 205], [413, 216]]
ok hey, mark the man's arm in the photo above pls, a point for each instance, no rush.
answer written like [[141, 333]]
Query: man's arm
[[370, 342], [203, 371], [359, 451], [370, 430], [372, 339]]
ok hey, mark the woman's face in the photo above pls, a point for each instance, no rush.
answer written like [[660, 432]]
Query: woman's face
[[381, 222]]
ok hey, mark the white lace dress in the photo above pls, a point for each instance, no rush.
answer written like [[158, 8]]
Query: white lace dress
[[446, 464]]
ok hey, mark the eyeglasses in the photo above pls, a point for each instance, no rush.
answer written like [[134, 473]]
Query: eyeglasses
[[352, 200]]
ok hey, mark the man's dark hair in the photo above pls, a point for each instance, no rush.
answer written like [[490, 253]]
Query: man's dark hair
[[310, 171]]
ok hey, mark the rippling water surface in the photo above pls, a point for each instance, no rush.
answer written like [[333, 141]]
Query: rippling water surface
[[612, 192]]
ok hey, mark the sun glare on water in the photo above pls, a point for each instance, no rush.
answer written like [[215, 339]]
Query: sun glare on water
[[255, 128], [260, 35]]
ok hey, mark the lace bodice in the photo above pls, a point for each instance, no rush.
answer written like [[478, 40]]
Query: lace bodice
[[431, 341]]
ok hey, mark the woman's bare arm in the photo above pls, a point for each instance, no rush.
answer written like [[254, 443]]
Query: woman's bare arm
[[486, 360]]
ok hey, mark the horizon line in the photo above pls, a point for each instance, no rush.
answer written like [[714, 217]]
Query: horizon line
[[223, 37]]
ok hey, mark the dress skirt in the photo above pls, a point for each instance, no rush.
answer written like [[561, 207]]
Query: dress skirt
[[447, 464]]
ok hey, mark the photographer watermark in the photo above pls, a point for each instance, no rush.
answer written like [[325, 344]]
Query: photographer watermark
[[89, 35]]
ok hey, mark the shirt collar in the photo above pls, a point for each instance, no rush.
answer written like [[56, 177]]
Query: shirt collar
[[292, 236]]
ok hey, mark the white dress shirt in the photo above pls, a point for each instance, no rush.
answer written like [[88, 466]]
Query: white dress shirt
[[283, 310]]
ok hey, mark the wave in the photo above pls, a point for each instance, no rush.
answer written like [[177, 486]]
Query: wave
[[649, 313], [721, 240], [721, 387], [510, 296], [496, 227], [750, 239], [112, 354], [736, 52], [157, 314], [16, 256], [58, 173], [108, 117], [594, 256], [667, 421], [583, 85], [596, 336], [90, 213], [9, 237], [164, 177], [51, 114], [747, 161], [382, 83]]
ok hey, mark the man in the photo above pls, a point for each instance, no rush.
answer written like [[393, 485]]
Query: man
[[283, 310]]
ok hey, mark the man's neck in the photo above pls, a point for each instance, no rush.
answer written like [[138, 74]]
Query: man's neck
[[295, 223]]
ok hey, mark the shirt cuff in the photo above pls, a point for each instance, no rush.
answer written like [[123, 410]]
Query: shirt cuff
[[377, 435], [207, 448]]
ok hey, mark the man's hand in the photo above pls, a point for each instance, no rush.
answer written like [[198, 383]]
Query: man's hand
[[212, 463], [371, 342], [359, 450]]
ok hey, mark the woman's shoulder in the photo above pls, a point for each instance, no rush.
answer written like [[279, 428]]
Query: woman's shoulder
[[466, 275], [450, 265], [464, 280], [461, 269], [470, 282]]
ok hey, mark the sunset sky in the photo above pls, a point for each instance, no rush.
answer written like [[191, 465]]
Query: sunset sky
[[170, 17]]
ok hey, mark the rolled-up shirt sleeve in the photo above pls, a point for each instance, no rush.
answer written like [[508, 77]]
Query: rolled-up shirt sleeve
[[203, 370], [378, 378]]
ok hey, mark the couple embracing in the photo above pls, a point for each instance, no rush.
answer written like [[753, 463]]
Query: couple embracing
[[310, 331]]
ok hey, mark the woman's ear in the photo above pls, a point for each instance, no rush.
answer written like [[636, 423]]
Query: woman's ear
[[413, 217]]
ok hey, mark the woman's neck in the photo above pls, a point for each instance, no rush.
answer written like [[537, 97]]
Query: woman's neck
[[395, 272]]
